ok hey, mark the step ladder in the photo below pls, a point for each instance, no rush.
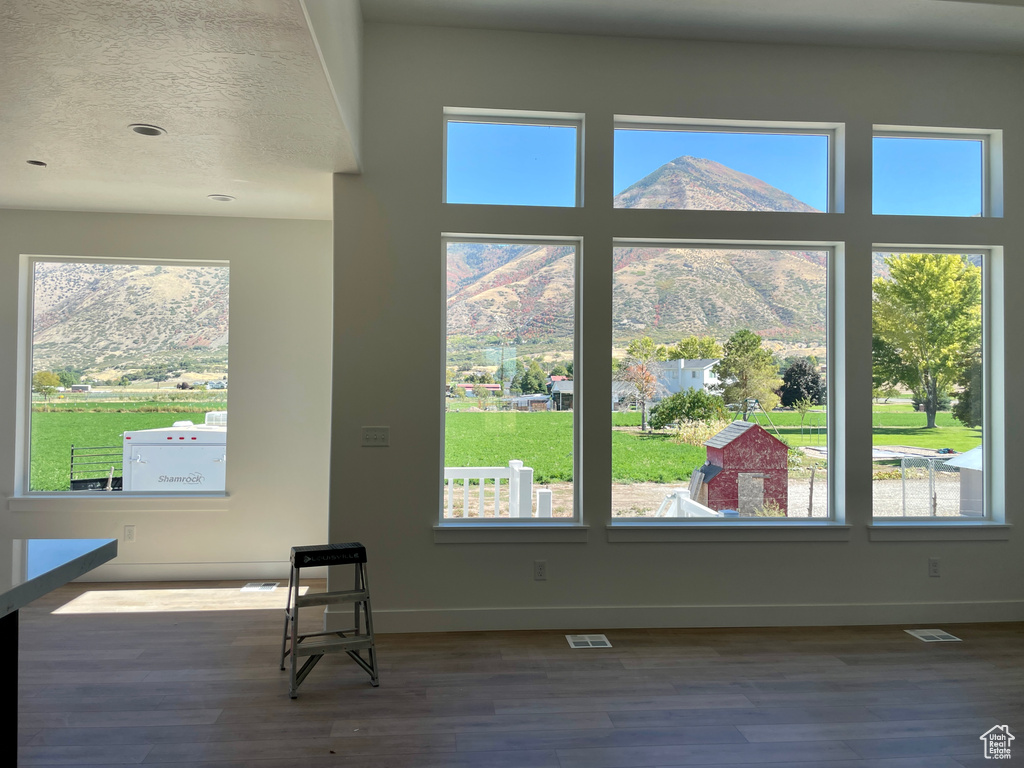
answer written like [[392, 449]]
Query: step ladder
[[353, 640]]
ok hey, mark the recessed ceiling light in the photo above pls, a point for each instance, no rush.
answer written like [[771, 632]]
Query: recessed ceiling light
[[147, 130], [38, 163], [221, 198]]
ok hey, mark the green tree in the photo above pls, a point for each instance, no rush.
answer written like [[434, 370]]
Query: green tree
[[802, 406], [927, 316], [748, 371], [688, 405], [801, 381], [45, 383], [695, 348], [533, 380], [968, 409], [638, 369], [68, 377]]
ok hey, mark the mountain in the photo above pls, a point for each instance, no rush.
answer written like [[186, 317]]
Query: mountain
[[522, 294], [669, 293], [696, 183], [91, 316]]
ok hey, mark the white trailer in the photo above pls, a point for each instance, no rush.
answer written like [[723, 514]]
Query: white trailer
[[182, 457]]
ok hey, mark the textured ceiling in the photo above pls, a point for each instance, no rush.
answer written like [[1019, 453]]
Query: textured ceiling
[[964, 25], [237, 84]]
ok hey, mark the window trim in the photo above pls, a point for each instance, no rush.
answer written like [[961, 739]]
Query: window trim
[[991, 160], [513, 117], [646, 529], [834, 132], [993, 407], [500, 526], [25, 499]]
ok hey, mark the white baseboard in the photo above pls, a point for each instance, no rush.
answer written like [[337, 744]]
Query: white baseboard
[[622, 617]]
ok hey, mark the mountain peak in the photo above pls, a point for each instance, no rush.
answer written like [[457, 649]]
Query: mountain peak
[[696, 183]]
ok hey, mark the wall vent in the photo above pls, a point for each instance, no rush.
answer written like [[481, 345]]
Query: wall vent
[[933, 635], [588, 641]]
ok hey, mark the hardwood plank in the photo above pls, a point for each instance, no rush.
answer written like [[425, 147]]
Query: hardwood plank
[[203, 688]]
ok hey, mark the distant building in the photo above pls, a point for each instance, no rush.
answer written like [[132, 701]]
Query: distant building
[[81, 387], [746, 469], [674, 376], [971, 485]]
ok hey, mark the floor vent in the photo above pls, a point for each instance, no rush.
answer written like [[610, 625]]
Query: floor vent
[[933, 635], [588, 641], [260, 586]]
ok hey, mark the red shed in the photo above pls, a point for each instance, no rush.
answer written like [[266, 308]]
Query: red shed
[[746, 469]]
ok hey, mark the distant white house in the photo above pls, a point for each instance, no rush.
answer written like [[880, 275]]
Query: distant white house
[[676, 376]]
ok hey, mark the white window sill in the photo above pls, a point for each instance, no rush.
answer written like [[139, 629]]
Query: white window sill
[[938, 530], [637, 531], [119, 501], [511, 533]]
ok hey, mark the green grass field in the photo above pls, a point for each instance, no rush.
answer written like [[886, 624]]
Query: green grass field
[[541, 440], [55, 431]]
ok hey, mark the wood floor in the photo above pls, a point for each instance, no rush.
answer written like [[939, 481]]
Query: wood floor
[[202, 688]]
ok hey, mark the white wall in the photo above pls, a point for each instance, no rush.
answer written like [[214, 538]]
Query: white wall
[[280, 365], [389, 317]]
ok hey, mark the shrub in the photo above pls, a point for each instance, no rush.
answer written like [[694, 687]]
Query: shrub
[[698, 432], [689, 405]]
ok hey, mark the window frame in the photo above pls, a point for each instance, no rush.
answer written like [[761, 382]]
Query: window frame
[[993, 406], [991, 161], [514, 117], [24, 498], [501, 526], [836, 398], [834, 132]]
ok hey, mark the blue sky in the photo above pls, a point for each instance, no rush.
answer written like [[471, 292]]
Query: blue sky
[[926, 177], [506, 164]]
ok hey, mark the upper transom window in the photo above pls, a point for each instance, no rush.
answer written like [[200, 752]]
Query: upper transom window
[[738, 166], [512, 158], [933, 172]]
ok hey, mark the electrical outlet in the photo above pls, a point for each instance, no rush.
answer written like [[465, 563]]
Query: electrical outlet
[[540, 570], [933, 567], [376, 437], [129, 534]]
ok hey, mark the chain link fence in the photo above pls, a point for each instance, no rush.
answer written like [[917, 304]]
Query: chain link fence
[[929, 488]]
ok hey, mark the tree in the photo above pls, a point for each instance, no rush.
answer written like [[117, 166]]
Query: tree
[[748, 371], [45, 383], [688, 405], [801, 382], [533, 380], [68, 377], [968, 409], [638, 370], [802, 406], [695, 348], [927, 318]]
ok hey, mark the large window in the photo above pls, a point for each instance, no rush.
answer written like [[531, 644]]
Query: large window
[[719, 388], [739, 167], [128, 372], [509, 428], [512, 158], [928, 371]]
